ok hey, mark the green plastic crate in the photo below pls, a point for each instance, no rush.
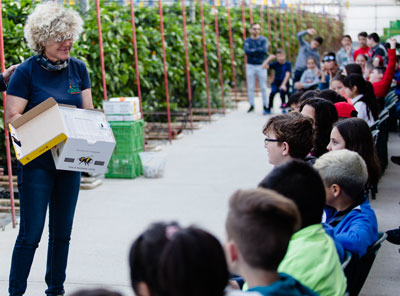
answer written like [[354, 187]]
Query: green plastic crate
[[126, 167], [128, 136]]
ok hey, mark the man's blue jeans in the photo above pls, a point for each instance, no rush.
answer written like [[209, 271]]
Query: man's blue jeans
[[39, 189], [253, 72]]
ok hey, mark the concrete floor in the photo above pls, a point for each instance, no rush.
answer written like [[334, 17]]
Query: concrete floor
[[203, 170]]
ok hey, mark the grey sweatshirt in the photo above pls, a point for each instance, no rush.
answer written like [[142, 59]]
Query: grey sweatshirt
[[305, 51], [309, 78]]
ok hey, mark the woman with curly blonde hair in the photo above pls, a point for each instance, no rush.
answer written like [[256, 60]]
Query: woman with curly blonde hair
[[50, 31]]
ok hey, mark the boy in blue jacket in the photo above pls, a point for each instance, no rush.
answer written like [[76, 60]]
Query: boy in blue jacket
[[347, 208]]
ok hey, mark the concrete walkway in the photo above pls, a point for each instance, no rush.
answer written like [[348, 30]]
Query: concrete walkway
[[203, 170]]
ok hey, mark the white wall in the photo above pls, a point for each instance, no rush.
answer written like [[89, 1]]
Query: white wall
[[370, 16]]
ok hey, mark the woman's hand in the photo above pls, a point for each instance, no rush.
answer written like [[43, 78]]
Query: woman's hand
[[7, 73]]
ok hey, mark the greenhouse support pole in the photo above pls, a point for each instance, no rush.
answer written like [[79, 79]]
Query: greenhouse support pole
[[262, 18], [251, 11], [288, 35], [275, 25], [294, 30], [134, 44], [281, 25], [189, 85], [203, 33], [244, 37], [103, 71], [165, 70], [221, 77], [231, 49], [6, 134], [269, 25]]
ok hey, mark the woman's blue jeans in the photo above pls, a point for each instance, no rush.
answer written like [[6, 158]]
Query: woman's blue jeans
[[39, 189]]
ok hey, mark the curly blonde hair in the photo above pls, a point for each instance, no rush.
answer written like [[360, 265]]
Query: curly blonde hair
[[51, 22]]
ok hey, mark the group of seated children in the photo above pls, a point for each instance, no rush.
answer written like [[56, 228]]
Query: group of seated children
[[287, 237]]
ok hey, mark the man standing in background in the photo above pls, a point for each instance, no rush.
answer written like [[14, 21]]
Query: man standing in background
[[256, 48]]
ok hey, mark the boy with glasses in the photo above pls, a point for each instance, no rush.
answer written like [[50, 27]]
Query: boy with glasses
[[288, 136]]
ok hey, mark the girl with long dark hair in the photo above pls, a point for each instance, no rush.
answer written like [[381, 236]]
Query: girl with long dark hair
[[364, 100]]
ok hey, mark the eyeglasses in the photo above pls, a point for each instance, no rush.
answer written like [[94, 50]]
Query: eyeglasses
[[329, 58], [266, 140]]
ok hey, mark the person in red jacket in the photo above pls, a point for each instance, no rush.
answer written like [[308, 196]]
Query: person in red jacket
[[380, 77], [364, 48]]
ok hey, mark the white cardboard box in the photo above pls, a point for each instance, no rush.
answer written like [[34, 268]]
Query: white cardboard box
[[37, 131], [89, 144], [122, 106], [81, 140], [130, 117]]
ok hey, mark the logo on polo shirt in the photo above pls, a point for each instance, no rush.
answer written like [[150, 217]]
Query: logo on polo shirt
[[72, 90]]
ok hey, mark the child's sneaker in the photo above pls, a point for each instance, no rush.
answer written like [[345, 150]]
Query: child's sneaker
[[267, 111]]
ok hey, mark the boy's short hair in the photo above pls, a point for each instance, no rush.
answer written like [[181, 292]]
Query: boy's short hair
[[261, 223], [253, 24], [363, 34], [380, 70], [347, 36], [96, 292], [295, 129], [345, 168], [280, 50], [375, 37], [319, 39], [301, 183]]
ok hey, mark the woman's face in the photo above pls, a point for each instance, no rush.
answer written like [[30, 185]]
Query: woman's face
[[337, 142], [308, 111], [337, 86], [351, 92], [360, 59], [56, 51]]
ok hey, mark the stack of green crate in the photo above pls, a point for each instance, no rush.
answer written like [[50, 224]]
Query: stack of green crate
[[125, 161]]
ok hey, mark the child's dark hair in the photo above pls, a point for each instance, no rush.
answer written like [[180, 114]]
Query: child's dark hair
[[295, 98], [308, 95], [380, 70], [353, 68], [363, 34], [191, 254], [363, 88], [171, 259], [331, 96], [347, 36], [301, 183], [280, 50], [261, 223], [96, 292], [339, 77], [375, 37], [325, 116], [319, 39], [145, 254]]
